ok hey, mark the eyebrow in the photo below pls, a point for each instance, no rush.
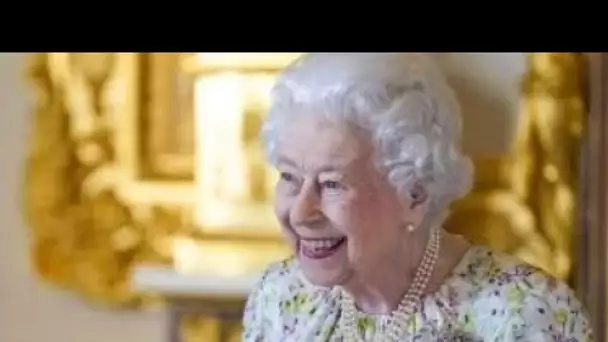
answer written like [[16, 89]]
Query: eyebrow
[[287, 161], [336, 167]]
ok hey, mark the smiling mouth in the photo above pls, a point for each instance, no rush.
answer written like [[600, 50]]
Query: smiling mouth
[[320, 248]]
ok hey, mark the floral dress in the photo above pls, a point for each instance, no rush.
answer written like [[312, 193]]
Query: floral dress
[[488, 297]]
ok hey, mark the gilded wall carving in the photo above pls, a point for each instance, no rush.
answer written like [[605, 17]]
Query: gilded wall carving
[[98, 203], [84, 236], [524, 203], [546, 157]]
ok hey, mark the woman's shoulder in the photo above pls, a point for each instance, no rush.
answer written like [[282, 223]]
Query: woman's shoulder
[[490, 274], [282, 281], [488, 270], [283, 300], [483, 266], [501, 288], [280, 277]]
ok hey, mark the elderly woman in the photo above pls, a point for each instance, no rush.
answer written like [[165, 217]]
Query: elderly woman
[[367, 150]]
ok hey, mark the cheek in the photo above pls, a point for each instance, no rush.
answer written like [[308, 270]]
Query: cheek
[[360, 218], [282, 208], [346, 215]]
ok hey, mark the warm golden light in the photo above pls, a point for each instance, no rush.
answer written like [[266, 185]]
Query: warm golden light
[[232, 179], [256, 62]]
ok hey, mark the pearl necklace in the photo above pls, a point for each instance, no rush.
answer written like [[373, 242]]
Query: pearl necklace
[[397, 321]]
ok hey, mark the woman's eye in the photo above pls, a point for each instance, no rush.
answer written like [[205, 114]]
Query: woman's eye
[[286, 176], [331, 185]]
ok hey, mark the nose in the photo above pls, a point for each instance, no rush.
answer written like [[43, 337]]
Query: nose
[[306, 209]]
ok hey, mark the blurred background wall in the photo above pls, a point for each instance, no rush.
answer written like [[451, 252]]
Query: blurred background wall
[[32, 312]]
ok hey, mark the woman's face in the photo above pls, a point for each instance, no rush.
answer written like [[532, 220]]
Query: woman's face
[[339, 213]]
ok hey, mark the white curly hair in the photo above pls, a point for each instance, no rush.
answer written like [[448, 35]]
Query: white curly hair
[[401, 99]]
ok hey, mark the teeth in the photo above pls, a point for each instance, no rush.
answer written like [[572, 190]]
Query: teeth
[[319, 244]]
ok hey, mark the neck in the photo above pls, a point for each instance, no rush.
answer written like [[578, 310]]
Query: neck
[[381, 289]]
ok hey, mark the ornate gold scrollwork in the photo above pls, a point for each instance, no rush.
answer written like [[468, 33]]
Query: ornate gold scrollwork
[[93, 211], [84, 237], [546, 156], [524, 204]]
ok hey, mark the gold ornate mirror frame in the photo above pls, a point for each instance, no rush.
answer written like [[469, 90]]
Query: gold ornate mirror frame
[[121, 171]]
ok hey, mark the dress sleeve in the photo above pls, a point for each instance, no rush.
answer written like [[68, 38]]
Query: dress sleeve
[[550, 312]]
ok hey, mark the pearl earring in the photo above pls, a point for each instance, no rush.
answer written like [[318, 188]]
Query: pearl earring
[[411, 227]]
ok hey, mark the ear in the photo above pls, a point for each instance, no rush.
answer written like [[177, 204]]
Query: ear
[[418, 197], [417, 204]]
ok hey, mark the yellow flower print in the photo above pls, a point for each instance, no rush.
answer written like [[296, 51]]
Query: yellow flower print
[[515, 296], [561, 316], [414, 323], [296, 303], [492, 272]]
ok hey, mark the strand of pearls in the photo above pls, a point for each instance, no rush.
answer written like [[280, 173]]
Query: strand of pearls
[[397, 321]]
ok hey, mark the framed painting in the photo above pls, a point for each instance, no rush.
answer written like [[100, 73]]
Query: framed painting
[[139, 158]]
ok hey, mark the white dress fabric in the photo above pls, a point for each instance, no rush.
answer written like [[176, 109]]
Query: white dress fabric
[[488, 297]]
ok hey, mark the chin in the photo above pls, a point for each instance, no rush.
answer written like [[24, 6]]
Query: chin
[[324, 269]]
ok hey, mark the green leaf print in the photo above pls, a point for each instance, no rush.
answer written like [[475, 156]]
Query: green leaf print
[[468, 322], [296, 303], [366, 325]]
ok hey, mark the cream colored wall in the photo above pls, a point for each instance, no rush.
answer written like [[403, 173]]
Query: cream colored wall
[[488, 87], [30, 312]]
